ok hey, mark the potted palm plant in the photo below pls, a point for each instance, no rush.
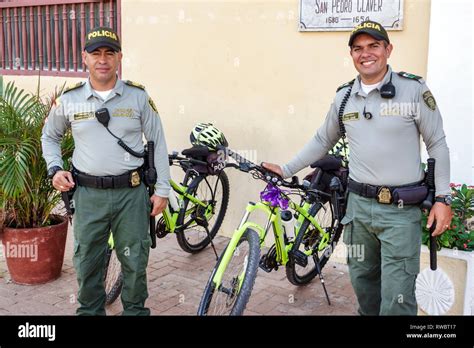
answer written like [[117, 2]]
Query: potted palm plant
[[33, 237]]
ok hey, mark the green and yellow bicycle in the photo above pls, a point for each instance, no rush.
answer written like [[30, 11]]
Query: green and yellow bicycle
[[195, 212], [303, 253]]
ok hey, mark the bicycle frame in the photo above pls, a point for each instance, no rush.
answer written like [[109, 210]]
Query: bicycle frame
[[169, 215], [274, 219]]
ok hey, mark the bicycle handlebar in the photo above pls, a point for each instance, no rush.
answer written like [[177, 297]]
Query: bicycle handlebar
[[270, 177], [243, 165], [175, 157]]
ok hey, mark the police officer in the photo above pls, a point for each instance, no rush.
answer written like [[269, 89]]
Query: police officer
[[384, 114], [109, 192]]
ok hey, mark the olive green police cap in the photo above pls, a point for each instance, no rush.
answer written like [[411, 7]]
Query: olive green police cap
[[102, 37], [374, 29]]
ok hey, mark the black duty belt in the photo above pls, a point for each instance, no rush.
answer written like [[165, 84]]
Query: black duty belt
[[383, 194], [132, 178]]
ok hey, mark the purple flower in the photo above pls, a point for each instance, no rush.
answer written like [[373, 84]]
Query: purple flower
[[273, 195]]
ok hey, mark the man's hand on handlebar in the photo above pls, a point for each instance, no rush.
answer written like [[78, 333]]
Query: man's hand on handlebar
[[275, 168]]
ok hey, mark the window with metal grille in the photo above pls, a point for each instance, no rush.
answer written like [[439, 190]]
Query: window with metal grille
[[47, 36]]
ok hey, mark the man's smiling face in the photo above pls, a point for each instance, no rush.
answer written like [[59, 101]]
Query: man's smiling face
[[370, 57]]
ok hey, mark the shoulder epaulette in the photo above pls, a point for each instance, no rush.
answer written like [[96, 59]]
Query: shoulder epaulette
[[134, 84], [347, 84], [411, 76], [76, 86]]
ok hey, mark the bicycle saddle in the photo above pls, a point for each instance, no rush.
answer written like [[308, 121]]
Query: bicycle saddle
[[328, 163], [196, 152]]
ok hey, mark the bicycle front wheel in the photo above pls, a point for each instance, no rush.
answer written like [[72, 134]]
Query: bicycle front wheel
[[238, 279], [213, 191], [310, 239], [113, 276]]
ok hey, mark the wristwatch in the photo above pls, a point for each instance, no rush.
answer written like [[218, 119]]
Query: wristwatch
[[53, 170], [446, 199]]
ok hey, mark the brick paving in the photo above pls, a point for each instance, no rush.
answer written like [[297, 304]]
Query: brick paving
[[176, 281]]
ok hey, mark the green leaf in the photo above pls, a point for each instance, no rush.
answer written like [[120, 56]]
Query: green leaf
[[25, 191]]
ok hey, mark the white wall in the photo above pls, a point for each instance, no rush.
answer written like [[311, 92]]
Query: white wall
[[449, 76]]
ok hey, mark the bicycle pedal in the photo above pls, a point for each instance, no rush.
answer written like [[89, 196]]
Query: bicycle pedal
[[301, 259]]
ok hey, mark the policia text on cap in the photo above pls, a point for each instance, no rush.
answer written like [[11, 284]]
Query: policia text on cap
[[385, 156], [108, 179]]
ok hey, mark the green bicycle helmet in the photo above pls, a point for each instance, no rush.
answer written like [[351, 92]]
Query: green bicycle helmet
[[205, 134]]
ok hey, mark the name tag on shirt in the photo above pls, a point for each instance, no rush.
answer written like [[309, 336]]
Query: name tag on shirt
[[83, 116], [122, 112], [352, 116]]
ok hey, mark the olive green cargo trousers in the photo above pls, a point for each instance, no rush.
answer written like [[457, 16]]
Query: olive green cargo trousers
[[125, 212], [383, 243]]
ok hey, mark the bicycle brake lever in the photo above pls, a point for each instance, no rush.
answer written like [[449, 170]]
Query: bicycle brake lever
[[245, 167]]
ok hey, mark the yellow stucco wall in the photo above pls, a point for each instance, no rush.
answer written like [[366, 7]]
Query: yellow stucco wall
[[244, 66]]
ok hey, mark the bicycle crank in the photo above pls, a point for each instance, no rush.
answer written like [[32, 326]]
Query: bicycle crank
[[199, 216], [268, 261]]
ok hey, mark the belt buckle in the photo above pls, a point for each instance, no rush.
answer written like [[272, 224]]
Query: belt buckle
[[107, 182], [384, 196], [135, 179]]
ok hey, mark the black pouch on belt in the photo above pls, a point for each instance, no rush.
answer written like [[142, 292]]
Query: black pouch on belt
[[411, 195]]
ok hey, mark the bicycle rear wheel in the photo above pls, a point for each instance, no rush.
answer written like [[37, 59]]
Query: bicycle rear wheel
[[113, 276], [309, 238], [238, 279], [213, 190]]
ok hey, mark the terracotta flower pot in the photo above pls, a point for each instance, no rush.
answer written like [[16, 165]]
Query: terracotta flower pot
[[35, 255]]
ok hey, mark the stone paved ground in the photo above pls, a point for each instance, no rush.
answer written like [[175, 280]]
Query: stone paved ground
[[176, 281]]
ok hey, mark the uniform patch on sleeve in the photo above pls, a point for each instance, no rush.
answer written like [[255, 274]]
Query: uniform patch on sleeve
[[352, 116], [152, 104], [429, 100]]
